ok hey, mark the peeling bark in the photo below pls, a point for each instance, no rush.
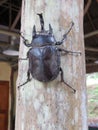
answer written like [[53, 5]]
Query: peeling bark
[[53, 106]]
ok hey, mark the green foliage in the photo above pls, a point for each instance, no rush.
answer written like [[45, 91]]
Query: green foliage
[[92, 91]]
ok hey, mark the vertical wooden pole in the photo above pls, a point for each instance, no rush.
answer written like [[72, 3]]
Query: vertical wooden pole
[[53, 106]]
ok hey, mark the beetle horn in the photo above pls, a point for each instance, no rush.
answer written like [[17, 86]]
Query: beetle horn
[[41, 21], [50, 29], [34, 31]]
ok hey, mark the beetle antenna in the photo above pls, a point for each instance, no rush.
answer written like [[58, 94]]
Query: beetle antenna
[[41, 21]]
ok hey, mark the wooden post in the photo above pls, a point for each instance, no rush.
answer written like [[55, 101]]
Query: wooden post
[[53, 106]]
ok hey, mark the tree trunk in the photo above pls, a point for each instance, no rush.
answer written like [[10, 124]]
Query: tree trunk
[[53, 105]]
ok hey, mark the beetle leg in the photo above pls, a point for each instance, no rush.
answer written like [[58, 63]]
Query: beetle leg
[[65, 35], [28, 79], [62, 80], [26, 57], [26, 42], [69, 52], [23, 58]]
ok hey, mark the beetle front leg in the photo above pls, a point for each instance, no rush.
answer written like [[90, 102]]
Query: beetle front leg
[[65, 35], [69, 52], [62, 80], [25, 41]]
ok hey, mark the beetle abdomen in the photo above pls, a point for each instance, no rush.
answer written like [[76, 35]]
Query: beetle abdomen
[[44, 63]]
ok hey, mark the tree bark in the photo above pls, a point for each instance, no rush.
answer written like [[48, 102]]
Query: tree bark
[[52, 105]]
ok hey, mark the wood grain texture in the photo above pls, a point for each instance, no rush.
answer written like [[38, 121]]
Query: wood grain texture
[[53, 106]]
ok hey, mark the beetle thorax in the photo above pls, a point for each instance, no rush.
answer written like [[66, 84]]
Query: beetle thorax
[[43, 39]]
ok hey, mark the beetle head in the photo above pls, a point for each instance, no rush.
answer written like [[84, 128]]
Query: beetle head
[[42, 37], [43, 32]]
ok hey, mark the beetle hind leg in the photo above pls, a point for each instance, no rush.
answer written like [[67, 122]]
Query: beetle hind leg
[[28, 79], [62, 80]]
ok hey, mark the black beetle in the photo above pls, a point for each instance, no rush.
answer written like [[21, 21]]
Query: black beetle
[[44, 55]]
